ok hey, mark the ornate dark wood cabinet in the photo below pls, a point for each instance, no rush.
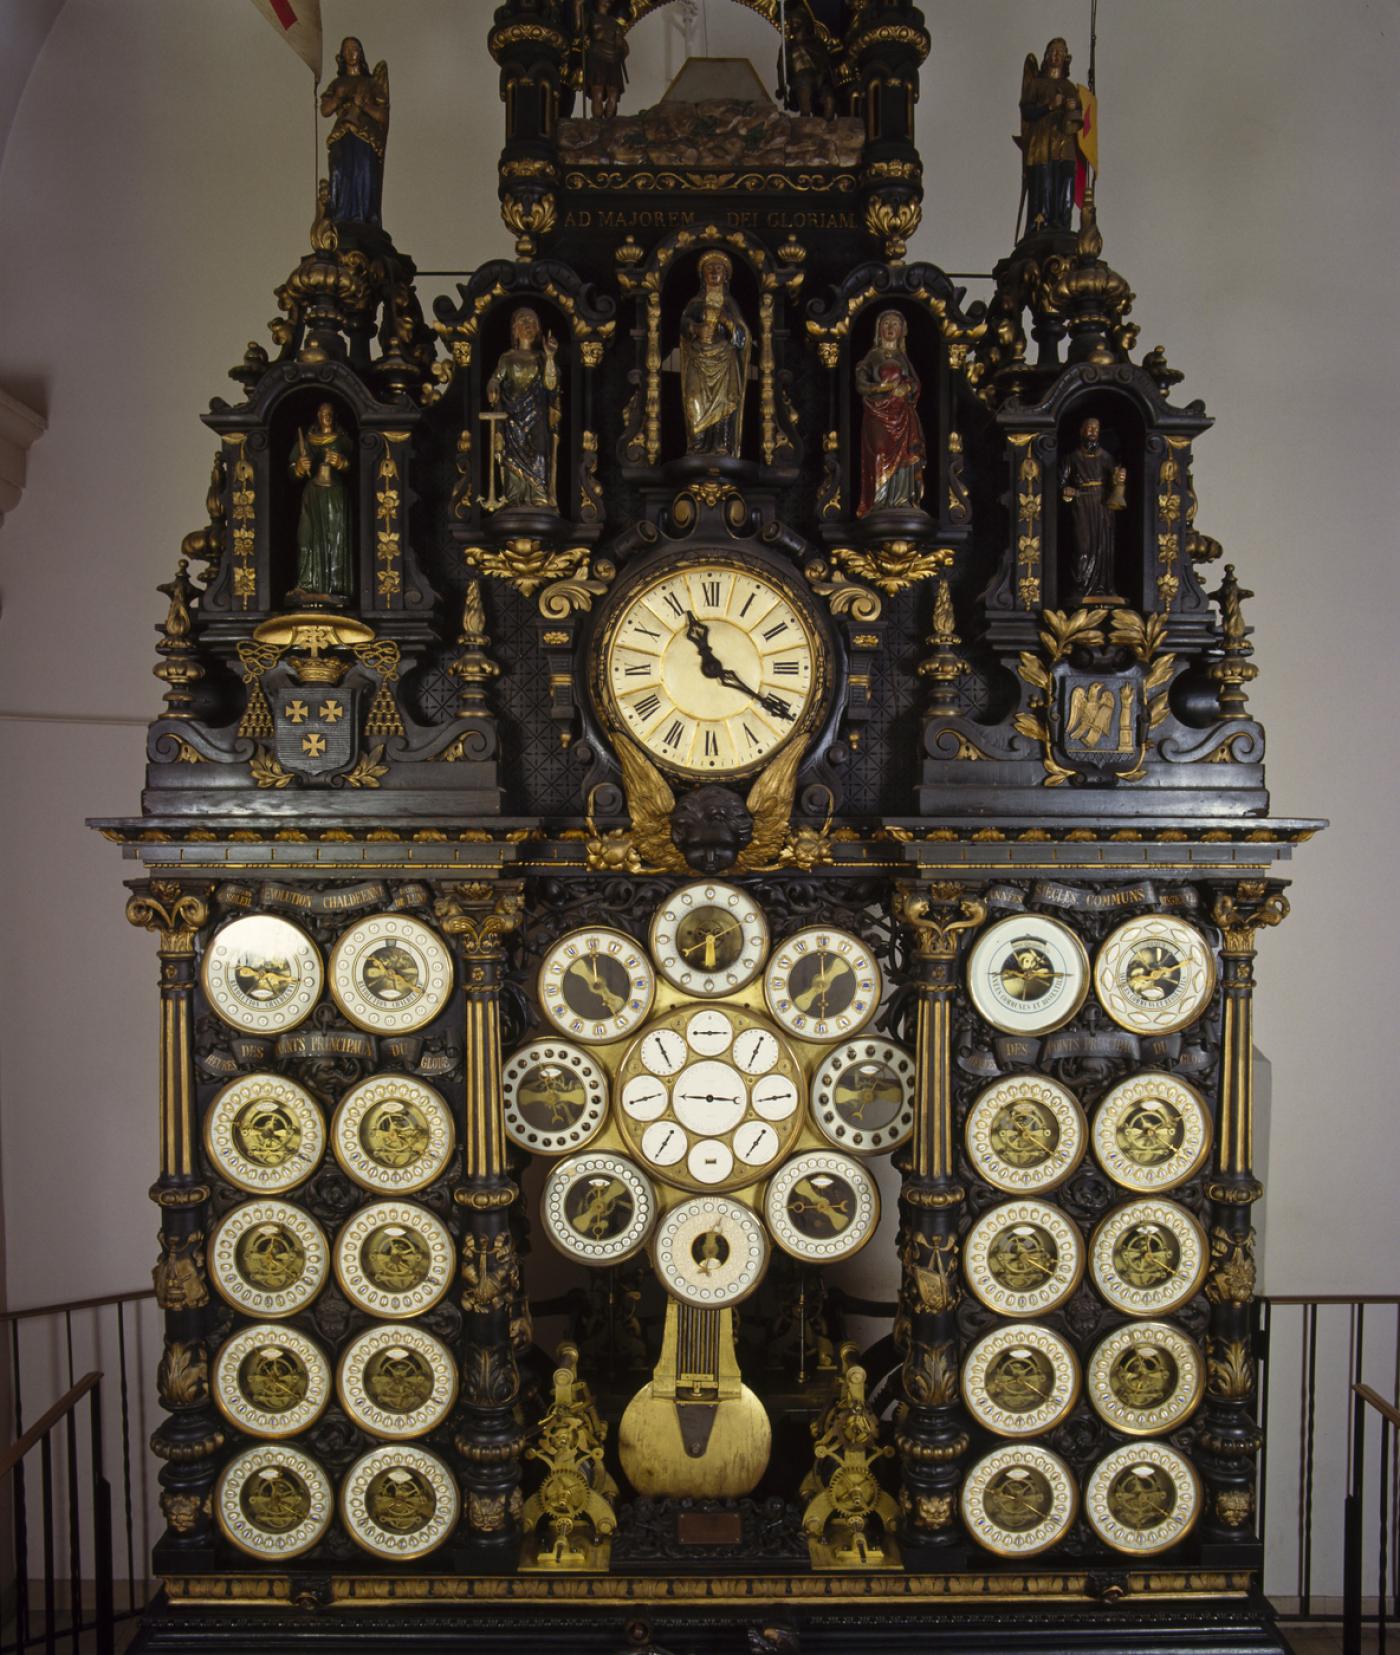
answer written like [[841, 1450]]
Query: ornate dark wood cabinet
[[711, 730]]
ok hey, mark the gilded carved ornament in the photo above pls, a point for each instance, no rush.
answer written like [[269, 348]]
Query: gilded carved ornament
[[480, 916], [178, 912], [571, 578], [1232, 1273], [844, 597], [182, 1377], [894, 566], [1239, 913], [937, 938]]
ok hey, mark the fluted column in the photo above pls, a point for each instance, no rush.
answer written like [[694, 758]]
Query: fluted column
[[1230, 1436], [189, 1441], [479, 917], [932, 1438]]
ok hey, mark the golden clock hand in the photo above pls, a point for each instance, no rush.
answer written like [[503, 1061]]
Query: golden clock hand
[[613, 1002], [820, 984]]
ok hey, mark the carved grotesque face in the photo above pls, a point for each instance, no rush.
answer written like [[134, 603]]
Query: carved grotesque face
[[710, 827]]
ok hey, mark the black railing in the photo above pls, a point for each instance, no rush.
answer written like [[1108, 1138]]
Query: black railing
[[44, 1344], [1366, 1404], [98, 1507]]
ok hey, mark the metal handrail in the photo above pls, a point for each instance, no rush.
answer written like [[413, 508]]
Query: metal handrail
[[46, 1422], [1364, 1398], [71, 1306]]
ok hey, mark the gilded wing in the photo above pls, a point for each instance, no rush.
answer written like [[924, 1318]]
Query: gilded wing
[[770, 804], [649, 804]]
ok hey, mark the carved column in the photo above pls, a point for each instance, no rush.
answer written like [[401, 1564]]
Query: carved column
[[479, 918], [190, 1440], [1230, 1437], [932, 1438]]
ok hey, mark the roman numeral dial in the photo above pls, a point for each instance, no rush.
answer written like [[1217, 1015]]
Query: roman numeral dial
[[711, 669]]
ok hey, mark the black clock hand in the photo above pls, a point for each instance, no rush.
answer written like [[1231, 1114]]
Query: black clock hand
[[712, 667]]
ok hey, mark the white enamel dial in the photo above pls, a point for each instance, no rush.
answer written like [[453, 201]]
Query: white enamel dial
[[596, 984], [710, 1251], [711, 668], [715, 1123], [664, 1052], [822, 984], [709, 939]]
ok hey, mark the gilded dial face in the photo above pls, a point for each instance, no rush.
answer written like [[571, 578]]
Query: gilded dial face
[[1155, 974], [821, 1206], [399, 1501], [1145, 1378], [596, 985], [709, 1098], [262, 974], [556, 1096], [392, 1132], [273, 1501], [394, 1258], [1152, 1132], [709, 939], [711, 668], [1025, 1134], [390, 973], [1148, 1257], [863, 1095], [397, 1381], [1020, 1381], [710, 1251], [598, 1208], [1018, 1500], [1142, 1498], [267, 1257], [1023, 1258], [822, 984], [264, 1133], [271, 1381]]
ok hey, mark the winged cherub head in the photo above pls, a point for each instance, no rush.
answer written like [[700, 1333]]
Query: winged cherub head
[[710, 827]]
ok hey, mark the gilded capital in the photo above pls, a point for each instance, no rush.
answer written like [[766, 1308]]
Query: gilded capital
[[937, 936], [1239, 914], [178, 912], [480, 916]]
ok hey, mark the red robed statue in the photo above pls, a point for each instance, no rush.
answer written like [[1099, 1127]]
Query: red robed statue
[[892, 451]]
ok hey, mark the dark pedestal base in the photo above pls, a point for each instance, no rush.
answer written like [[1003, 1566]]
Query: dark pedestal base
[[560, 1628]]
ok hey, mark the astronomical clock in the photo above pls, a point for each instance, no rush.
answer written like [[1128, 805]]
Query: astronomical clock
[[704, 847]]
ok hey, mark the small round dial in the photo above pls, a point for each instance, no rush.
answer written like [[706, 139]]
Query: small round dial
[[727, 1115], [1020, 1381], [393, 1133], [394, 1258], [1019, 1500], [1028, 974], [556, 1097], [268, 1258], [709, 939], [390, 974], [596, 985], [822, 984], [710, 1251], [271, 1381], [598, 1208], [1148, 1257], [1151, 1133], [1155, 974], [1145, 1379], [399, 1501], [273, 1501], [1023, 1258], [1025, 1134], [710, 668], [262, 974], [1142, 1498], [396, 1381], [863, 1095], [264, 1133], [821, 1206]]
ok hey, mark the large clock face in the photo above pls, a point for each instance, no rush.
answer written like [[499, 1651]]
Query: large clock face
[[711, 668]]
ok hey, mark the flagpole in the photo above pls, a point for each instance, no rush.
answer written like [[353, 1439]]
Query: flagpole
[[1093, 41]]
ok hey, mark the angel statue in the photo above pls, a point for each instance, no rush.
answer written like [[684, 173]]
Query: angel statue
[[1052, 116], [318, 462], [892, 450], [359, 101], [525, 388], [605, 60], [715, 347]]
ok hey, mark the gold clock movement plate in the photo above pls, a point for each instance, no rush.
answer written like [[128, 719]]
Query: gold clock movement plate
[[596, 985], [393, 1134], [390, 974], [1151, 1133], [1023, 1258], [1020, 1381], [709, 939], [822, 984], [556, 1096], [710, 1097], [821, 1206], [1019, 1500], [262, 974], [268, 1258], [397, 1381], [710, 1252], [1028, 974], [598, 1208], [862, 1095], [1142, 1498], [1025, 1134], [273, 1501], [1155, 974], [1145, 1379], [394, 1259], [271, 1381], [399, 1501], [1148, 1257], [264, 1133]]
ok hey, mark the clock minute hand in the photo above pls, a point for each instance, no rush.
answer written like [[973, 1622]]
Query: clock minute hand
[[712, 667]]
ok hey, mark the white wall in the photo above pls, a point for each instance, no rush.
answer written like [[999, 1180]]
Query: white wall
[[156, 186]]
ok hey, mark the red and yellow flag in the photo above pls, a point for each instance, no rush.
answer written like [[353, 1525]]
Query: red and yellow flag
[[299, 24], [1086, 144]]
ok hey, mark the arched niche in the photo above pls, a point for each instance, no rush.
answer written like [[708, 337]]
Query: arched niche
[[923, 345], [297, 413], [1123, 437]]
